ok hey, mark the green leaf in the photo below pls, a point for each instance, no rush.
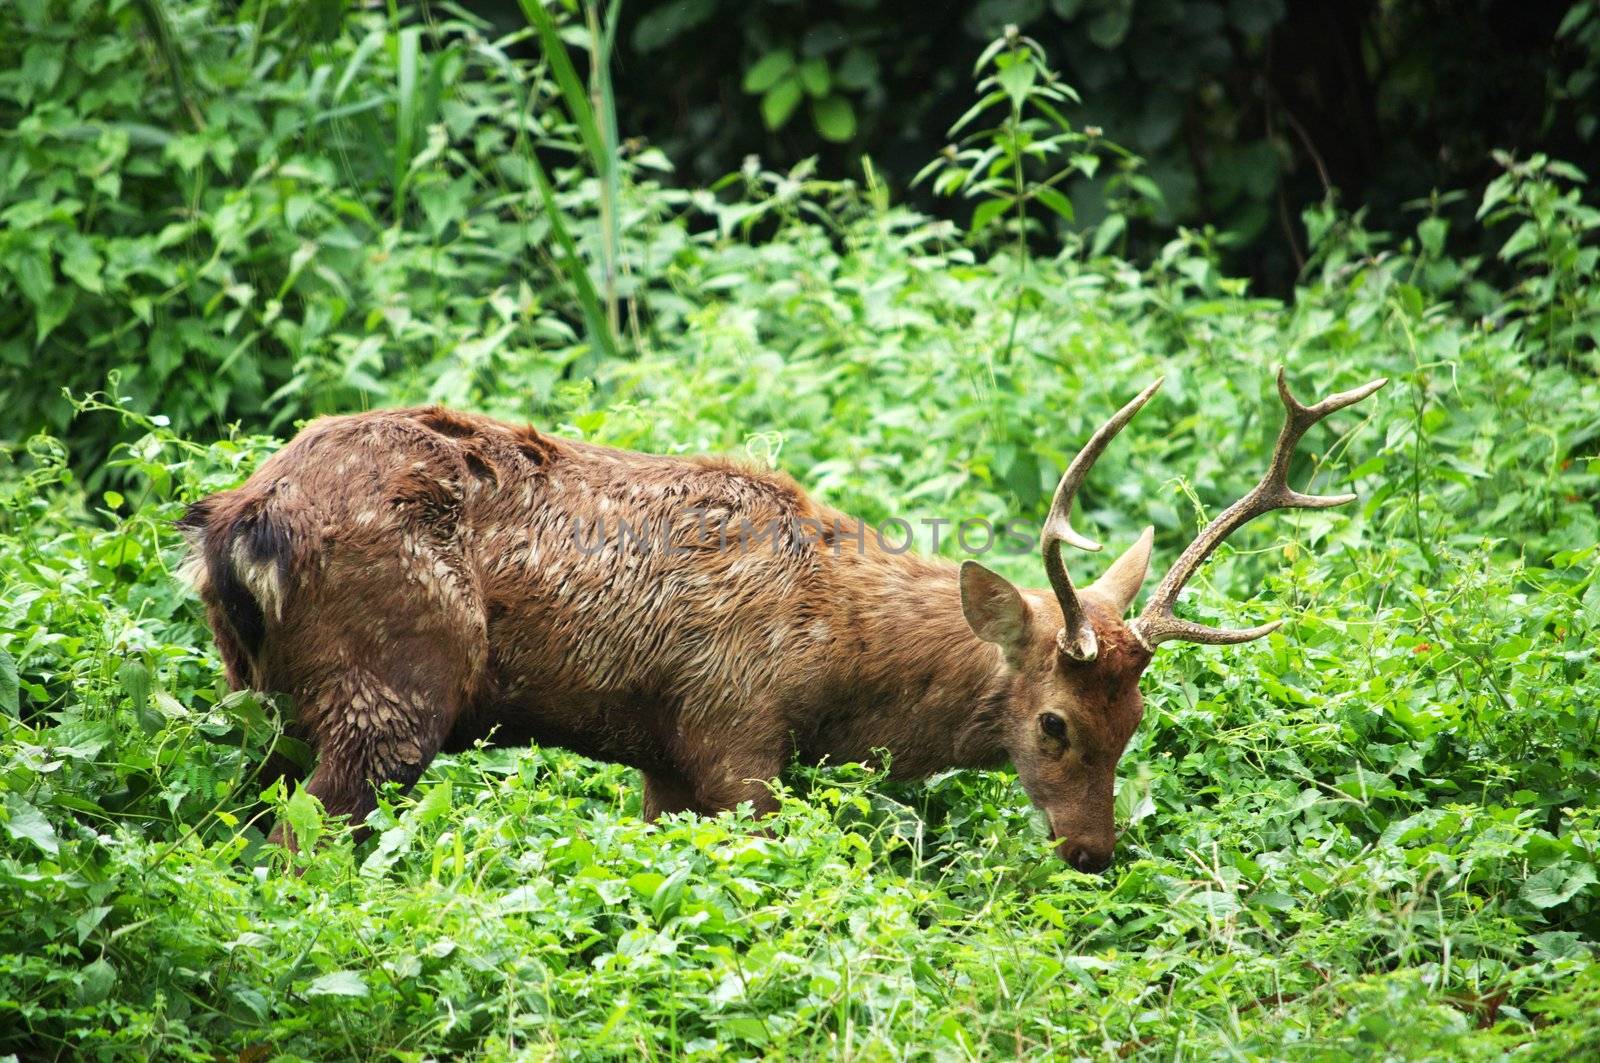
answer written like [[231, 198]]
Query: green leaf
[[188, 151], [134, 678], [41, 67], [31, 268], [338, 984], [987, 212], [244, 706], [10, 689], [81, 263], [748, 1028], [96, 981], [1556, 884], [835, 119], [52, 312], [1055, 201], [573, 92], [779, 103], [303, 813], [1431, 233], [668, 896], [1017, 79], [572, 265], [1524, 239], [1108, 232], [435, 803], [662, 25], [768, 71], [814, 77], [85, 924], [406, 100], [26, 823]]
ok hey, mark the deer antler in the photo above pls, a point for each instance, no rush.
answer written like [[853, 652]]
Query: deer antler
[[1076, 638], [1156, 624]]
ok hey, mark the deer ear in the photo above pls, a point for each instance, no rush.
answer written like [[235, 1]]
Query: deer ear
[[993, 607], [1125, 576]]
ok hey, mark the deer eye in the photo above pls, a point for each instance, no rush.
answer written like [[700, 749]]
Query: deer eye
[[1053, 726]]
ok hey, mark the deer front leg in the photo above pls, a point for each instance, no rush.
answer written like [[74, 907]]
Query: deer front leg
[[722, 783], [665, 793], [718, 767], [368, 732]]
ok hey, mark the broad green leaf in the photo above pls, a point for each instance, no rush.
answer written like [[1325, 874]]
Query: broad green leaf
[[987, 212], [1556, 884], [338, 984], [9, 686], [96, 982], [1523, 240], [434, 804], [835, 118], [664, 902], [26, 823], [779, 102], [303, 813], [1055, 201], [814, 77], [1017, 79], [768, 71]]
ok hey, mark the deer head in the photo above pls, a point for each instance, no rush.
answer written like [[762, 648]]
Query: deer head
[[1074, 665]]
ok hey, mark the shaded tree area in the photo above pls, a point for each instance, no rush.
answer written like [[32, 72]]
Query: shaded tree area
[[1246, 111]]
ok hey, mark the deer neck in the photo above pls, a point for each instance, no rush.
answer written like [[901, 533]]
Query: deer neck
[[921, 685]]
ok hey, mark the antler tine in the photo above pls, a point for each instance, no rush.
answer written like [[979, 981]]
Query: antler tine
[[1157, 624], [1076, 638]]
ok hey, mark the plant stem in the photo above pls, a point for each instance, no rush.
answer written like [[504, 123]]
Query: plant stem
[[1019, 199], [600, 99]]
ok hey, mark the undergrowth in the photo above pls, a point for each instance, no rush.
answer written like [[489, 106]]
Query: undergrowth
[[1372, 834]]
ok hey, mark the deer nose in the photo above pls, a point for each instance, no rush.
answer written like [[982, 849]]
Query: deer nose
[[1083, 858]]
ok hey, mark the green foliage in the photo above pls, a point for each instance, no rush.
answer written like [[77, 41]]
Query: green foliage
[[1555, 242], [1246, 110], [1033, 151], [782, 82], [1373, 833], [291, 226]]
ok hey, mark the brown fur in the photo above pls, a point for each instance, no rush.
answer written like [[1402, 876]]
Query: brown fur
[[411, 579]]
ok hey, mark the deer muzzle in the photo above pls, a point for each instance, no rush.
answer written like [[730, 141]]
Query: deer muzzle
[[1086, 851]]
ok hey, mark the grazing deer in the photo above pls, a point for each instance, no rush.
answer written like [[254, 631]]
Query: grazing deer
[[414, 580]]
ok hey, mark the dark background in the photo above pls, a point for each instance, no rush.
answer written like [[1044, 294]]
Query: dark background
[[1246, 111]]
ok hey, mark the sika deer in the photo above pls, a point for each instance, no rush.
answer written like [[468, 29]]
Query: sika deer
[[417, 580]]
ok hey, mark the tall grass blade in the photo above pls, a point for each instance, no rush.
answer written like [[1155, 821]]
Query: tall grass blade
[[572, 263], [405, 112], [604, 104], [155, 16], [567, 80], [593, 113]]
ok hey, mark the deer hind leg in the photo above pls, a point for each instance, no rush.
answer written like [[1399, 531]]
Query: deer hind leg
[[369, 730]]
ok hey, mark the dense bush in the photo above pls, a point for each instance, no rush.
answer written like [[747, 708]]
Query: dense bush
[[1248, 110], [233, 215], [1373, 833]]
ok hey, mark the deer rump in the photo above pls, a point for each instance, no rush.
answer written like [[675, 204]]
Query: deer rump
[[419, 579]]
